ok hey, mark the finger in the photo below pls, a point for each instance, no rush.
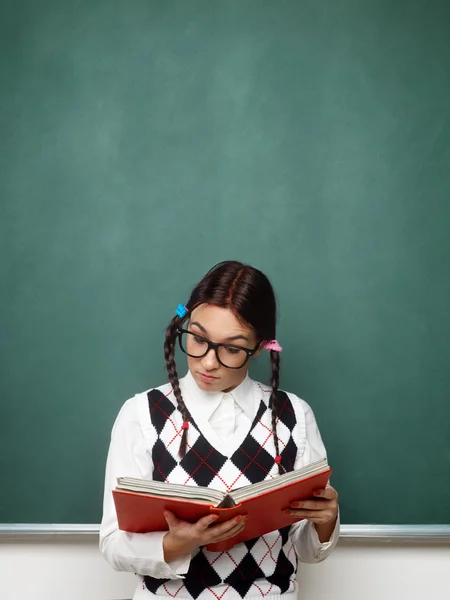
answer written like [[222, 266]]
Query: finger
[[329, 493], [205, 522], [172, 520], [231, 532], [224, 528], [315, 516], [311, 504]]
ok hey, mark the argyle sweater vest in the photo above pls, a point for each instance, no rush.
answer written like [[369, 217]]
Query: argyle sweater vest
[[262, 566]]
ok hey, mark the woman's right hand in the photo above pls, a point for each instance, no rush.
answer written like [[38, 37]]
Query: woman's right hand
[[184, 537]]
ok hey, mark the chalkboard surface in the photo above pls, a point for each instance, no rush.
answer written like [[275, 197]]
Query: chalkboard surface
[[142, 142]]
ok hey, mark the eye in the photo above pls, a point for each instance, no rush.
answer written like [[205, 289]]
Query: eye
[[231, 350], [199, 340]]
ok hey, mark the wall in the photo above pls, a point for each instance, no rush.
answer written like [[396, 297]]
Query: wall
[[73, 569]]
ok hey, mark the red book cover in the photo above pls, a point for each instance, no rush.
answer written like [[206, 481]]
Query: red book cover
[[142, 513]]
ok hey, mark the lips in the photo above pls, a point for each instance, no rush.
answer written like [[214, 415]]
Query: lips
[[207, 378]]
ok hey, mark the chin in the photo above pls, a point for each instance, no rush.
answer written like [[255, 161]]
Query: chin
[[212, 386]]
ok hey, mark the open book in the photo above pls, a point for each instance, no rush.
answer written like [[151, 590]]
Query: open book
[[140, 503]]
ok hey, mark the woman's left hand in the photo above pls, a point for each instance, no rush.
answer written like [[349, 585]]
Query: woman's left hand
[[323, 510]]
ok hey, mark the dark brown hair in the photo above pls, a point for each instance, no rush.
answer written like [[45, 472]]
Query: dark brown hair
[[249, 294]]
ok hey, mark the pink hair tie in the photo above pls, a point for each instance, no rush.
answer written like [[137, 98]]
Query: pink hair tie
[[278, 459], [185, 425], [273, 345]]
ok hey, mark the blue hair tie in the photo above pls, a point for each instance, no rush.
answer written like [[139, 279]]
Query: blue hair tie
[[181, 311]]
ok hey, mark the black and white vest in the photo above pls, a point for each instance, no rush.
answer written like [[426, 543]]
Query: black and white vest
[[261, 566]]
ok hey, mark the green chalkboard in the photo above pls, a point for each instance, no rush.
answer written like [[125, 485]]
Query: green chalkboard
[[143, 141]]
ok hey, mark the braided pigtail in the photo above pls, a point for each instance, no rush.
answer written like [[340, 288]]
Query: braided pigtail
[[169, 355], [273, 404]]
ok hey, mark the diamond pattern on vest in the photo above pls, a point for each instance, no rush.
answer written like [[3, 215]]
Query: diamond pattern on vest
[[263, 565]]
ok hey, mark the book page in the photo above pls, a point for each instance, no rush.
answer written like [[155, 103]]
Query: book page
[[171, 490]]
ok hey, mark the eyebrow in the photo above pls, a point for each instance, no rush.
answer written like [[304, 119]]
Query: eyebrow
[[229, 339]]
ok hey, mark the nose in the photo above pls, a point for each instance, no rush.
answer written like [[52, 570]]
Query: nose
[[209, 361]]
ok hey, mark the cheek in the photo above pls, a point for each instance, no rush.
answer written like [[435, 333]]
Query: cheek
[[192, 362], [235, 376]]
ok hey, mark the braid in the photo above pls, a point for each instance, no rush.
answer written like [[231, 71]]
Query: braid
[[273, 404], [169, 355]]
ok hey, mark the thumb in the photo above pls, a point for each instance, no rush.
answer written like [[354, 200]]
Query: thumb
[[171, 519]]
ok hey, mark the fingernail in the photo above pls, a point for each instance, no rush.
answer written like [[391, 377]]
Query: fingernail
[[296, 505], [239, 518], [288, 513], [317, 493]]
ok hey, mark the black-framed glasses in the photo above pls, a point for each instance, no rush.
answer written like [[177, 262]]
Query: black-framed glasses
[[228, 355]]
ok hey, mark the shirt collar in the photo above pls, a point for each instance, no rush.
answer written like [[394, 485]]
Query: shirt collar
[[197, 400]]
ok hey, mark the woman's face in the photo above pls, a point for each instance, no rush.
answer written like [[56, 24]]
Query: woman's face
[[221, 326]]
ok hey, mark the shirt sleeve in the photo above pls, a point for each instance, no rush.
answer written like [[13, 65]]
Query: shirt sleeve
[[128, 456], [303, 533]]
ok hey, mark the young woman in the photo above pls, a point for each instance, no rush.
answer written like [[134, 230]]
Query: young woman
[[217, 427]]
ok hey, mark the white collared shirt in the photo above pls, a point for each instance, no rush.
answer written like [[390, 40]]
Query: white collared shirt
[[132, 440], [224, 418]]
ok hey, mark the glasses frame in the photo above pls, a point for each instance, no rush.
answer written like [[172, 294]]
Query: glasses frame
[[249, 353]]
